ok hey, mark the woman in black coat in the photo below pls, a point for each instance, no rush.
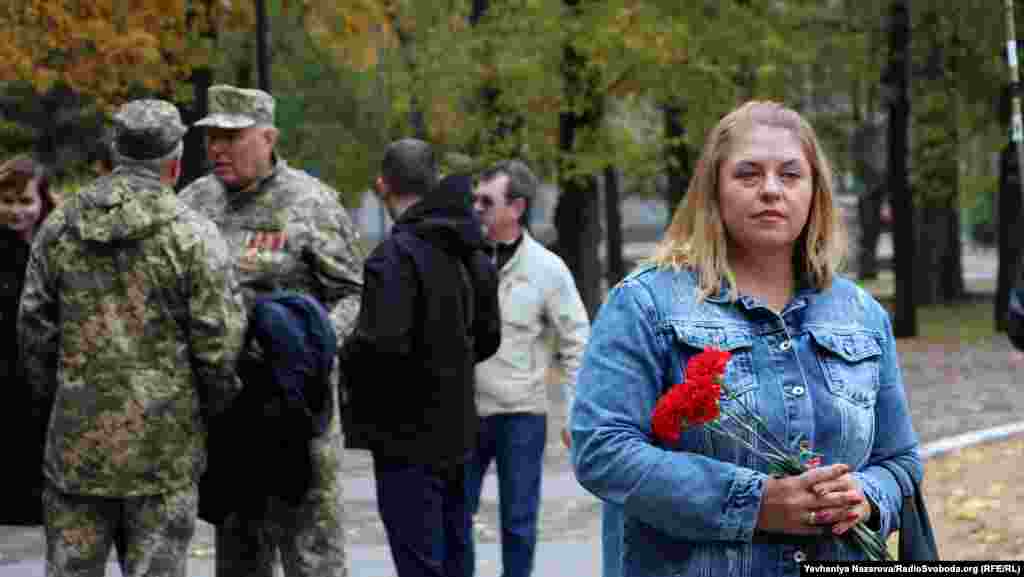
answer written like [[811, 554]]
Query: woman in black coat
[[24, 202]]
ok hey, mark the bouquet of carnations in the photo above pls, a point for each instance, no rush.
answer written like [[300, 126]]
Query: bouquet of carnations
[[696, 401]]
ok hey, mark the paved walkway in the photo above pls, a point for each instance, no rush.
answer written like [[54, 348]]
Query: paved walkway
[[553, 559]]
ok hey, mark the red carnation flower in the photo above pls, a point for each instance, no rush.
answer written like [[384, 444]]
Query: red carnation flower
[[693, 401]]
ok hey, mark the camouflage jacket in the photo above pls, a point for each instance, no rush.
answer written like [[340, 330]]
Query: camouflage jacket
[[288, 231], [130, 321]]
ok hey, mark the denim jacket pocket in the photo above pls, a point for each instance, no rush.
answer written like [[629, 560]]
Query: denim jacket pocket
[[851, 362], [739, 386], [739, 373]]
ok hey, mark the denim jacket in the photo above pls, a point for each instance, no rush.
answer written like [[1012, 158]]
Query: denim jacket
[[823, 375]]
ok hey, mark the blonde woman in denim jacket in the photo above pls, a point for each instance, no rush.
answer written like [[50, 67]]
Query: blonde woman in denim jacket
[[748, 265]]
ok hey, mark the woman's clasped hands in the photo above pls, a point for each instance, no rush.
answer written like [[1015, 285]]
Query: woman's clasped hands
[[820, 500]]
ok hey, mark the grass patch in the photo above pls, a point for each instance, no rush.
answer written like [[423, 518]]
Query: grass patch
[[884, 286], [970, 320]]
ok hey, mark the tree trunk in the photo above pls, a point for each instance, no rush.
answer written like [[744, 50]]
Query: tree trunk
[[46, 149], [502, 127], [578, 226], [870, 230], [417, 119], [576, 216], [938, 272], [243, 73], [905, 322], [869, 158], [613, 219], [677, 157], [935, 156], [263, 45], [194, 163], [951, 268]]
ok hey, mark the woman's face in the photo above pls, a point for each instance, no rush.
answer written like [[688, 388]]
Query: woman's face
[[765, 188], [20, 208]]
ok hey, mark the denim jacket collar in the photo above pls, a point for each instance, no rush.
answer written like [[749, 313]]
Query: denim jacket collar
[[801, 297]]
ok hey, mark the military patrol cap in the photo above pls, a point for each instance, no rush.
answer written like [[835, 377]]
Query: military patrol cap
[[148, 129], [232, 107]]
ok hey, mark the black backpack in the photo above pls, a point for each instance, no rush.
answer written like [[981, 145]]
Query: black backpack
[[259, 446]]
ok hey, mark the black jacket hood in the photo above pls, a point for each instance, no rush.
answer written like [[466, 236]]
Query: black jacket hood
[[448, 224]]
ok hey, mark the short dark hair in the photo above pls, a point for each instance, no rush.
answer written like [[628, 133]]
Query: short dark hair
[[409, 167], [522, 183]]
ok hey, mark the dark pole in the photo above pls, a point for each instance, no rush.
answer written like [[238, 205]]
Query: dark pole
[[1011, 185], [1016, 124], [1009, 249], [263, 45]]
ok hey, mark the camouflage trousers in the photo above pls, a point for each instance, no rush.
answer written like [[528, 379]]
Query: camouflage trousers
[[152, 533], [309, 537]]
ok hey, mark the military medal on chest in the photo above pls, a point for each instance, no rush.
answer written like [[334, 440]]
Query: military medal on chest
[[262, 247]]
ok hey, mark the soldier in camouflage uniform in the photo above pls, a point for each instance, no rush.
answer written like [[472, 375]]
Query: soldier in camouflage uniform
[[286, 230], [130, 324]]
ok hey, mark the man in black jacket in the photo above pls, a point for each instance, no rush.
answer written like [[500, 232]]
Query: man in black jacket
[[429, 313]]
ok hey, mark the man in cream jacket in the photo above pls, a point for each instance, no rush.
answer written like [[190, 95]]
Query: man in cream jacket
[[538, 300]]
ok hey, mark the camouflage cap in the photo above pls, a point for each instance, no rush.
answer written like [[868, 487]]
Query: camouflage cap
[[148, 129], [232, 107]]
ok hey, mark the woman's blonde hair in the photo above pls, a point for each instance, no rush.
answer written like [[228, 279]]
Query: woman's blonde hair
[[696, 238]]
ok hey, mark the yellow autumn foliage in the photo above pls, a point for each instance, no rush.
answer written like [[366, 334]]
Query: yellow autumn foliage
[[352, 31], [109, 48]]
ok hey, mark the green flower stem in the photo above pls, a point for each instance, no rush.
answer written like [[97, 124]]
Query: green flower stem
[[773, 442], [770, 443], [771, 458], [869, 542]]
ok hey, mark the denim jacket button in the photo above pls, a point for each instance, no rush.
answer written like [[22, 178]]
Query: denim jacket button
[[785, 345], [799, 556]]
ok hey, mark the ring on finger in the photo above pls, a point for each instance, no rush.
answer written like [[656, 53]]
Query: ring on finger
[[811, 518]]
